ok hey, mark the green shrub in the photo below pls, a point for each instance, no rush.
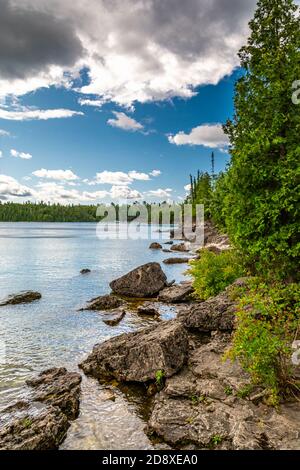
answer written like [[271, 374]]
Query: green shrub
[[268, 323], [212, 273]]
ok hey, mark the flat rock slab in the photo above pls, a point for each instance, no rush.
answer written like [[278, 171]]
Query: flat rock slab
[[104, 302], [115, 318], [58, 387], [148, 308], [136, 357], [145, 281], [176, 260], [180, 247], [176, 293], [21, 298], [42, 423]]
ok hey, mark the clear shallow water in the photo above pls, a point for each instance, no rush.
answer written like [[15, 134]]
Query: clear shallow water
[[52, 332]]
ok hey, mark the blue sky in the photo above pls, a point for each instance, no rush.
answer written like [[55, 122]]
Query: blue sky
[[127, 112]]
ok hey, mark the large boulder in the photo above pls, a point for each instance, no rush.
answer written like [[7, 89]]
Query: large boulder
[[21, 298], [144, 281], [176, 293], [138, 356], [155, 246], [216, 313], [42, 423], [180, 247]]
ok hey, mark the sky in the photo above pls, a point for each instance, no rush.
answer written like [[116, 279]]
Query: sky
[[115, 100]]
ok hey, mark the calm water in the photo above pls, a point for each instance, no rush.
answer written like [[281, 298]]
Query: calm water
[[52, 332]]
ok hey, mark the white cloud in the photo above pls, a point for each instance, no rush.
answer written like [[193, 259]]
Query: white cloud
[[143, 51], [1, 154], [123, 192], [27, 114], [161, 193], [125, 122], [10, 187], [62, 175], [135, 175], [4, 133], [208, 135], [155, 173], [22, 155], [88, 102], [187, 187]]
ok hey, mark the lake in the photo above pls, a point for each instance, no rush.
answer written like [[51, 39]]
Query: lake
[[48, 257]]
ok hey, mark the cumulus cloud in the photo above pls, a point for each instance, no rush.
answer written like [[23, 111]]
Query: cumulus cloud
[[27, 114], [118, 178], [161, 193], [1, 154], [125, 122], [4, 133], [88, 102], [62, 175], [133, 50], [124, 192], [187, 187], [208, 135], [10, 187], [23, 155], [155, 173]]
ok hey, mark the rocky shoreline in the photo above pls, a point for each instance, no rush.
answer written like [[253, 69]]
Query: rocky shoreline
[[198, 400]]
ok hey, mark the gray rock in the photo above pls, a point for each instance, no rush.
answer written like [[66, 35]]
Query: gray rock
[[104, 302], [115, 318], [176, 260], [148, 308], [180, 247], [155, 246], [216, 313], [144, 281], [176, 293], [85, 271], [58, 387], [42, 424], [21, 298], [136, 357]]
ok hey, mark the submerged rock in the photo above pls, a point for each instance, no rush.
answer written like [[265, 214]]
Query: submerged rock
[[138, 356], [176, 293], [21, 298], [42, 424], [145, 281], [155, 246], [104, 302], [115, 318], [176, 260]]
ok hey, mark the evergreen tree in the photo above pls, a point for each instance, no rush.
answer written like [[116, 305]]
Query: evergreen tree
[[262, 203]]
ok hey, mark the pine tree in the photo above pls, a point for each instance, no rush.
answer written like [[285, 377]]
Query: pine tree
[[262, 204]]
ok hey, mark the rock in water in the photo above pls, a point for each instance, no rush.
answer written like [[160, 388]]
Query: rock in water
[[58, 387], [26, 426], [176, 260], [155, 246], [85, 271], [144, 281], [180, 247], [136, 357], [43, 423], [115, 319], [176, 293], [148, 308], [21, 298], [104, 302]]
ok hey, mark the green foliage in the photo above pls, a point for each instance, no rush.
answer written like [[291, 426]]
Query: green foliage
[[268, 323], [159, 377], [212, 273], [228, 390], [215, 440], [201, 191], [261, 204]]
